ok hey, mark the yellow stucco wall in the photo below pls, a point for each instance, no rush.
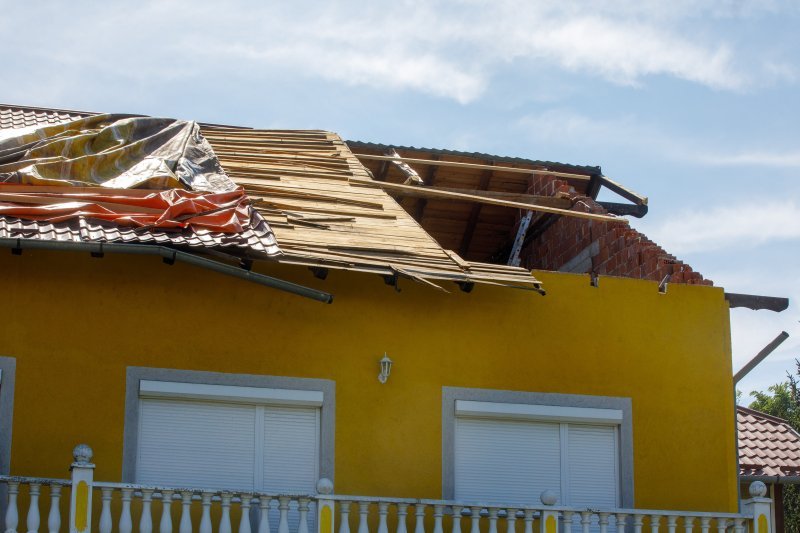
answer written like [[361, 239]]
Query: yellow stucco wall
[[74, 324]]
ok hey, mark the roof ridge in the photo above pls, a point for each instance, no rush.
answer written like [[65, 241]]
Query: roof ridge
[[762, 414]]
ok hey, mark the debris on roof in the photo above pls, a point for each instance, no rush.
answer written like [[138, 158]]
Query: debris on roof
[[320, 202], [313, 204], [768, 445]]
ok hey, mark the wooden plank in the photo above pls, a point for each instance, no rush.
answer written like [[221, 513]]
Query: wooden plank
[[480, 166], [491, 201], [626, 193], [756, 302]]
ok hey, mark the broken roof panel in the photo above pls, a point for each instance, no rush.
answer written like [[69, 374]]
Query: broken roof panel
[[768, 445], [316, 197]]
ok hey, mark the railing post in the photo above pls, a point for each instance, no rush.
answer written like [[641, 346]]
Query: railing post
[[80, 506], [759, 507], [325, 506], [549, 520]]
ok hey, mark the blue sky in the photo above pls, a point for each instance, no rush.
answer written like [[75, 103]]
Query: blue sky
[[695, 104]]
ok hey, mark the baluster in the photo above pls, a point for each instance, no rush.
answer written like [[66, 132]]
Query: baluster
[[302, 526], [621, 519], [165, 526], [12, 516], [438, 511], [419, 522], [586, 520], [671, 523], [33, 508], [738, 525], [402, 516], [244, 520], [363, 512], [688, 524], [383, 510], [603, 522], [186, 513], [283, 507], [567, 521], [528, 520], [638, 520], [54, 518], [125, 521], [106, 522], [492, 520], [224, 517], [263, 519], [705, 524], [146, 520], [344, 509], [475, 518], [205, 516], [722, 525], [655, 522], [511, 521]]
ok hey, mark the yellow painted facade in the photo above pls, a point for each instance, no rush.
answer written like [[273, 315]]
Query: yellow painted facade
[[76, 324]]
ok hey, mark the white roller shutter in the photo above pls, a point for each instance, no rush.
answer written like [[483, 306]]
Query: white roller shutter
[[513, 461], [234, 446], [593, 479], [506, 460], [290, 457], [196, 444]]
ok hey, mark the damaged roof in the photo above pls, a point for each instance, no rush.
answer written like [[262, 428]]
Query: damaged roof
[[768, 445], [308, 192]]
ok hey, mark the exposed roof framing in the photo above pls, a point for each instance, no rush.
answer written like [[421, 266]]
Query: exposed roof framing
[[472, 221]]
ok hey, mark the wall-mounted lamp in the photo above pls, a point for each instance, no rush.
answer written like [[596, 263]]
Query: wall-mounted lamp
[[386, 368]]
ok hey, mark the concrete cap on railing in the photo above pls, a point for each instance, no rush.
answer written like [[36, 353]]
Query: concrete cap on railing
[[82, 453], [758, 489], [548, 497], [324, 486]]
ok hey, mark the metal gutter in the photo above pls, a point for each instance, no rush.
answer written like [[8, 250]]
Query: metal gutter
[[169, 255], [780, 480]]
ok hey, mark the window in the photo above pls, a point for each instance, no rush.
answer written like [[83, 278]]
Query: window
[[505, 446], [228, 431]]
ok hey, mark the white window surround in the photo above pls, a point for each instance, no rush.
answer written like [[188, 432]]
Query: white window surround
[[555, 413], [230, 393], [223, 388], [470, 403]]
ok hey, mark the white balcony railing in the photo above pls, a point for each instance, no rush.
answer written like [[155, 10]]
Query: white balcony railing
[[126, 508]]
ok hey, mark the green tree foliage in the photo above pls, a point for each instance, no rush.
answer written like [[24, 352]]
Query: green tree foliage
[[782, 400]]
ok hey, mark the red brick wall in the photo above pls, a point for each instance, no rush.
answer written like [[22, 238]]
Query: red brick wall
[[622, 251]]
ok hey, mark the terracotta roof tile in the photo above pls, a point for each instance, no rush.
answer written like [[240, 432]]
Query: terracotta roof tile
[[768, 446]]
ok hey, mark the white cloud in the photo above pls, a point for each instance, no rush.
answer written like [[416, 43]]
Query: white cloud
[[447, 49], [737, 226], [752, 158]]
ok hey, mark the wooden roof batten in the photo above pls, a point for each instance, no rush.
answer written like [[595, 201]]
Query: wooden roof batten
[[328, 212]]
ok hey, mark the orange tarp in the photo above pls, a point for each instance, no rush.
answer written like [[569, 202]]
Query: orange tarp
[[224, 212]]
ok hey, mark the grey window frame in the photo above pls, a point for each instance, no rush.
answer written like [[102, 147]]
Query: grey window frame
[[451, 394], [136, 374]]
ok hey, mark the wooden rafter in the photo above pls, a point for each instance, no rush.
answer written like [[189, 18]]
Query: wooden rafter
[[430, 179], [434, 193], [474, 215], [478, 166]]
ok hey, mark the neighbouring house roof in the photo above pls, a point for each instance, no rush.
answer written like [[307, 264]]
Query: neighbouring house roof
[[768, 445], [311, 193]]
